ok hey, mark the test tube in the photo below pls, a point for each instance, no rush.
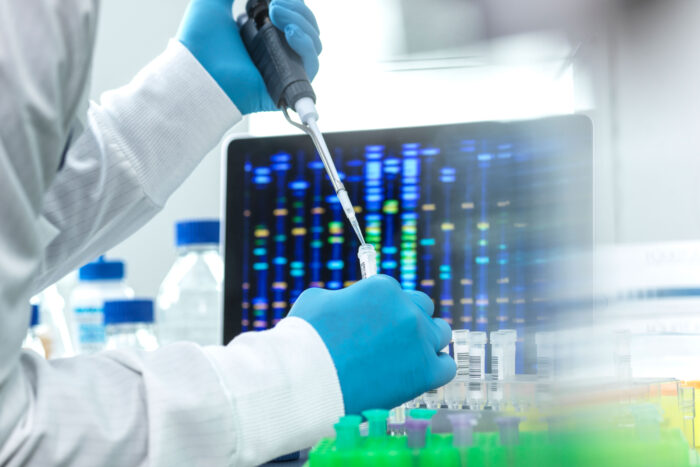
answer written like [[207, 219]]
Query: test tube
[[434, 398], [368, 260], [623, 356], [415, 432], [455, 394], [396, 428], [509, 430], [414, 403], [544, 342], [462, 428], [503, 354], [377, 422], [347, 432], [460, 352], [456, 390], [397, 416], [477, 364]]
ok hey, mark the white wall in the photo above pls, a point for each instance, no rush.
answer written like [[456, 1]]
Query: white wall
[[657, 94]]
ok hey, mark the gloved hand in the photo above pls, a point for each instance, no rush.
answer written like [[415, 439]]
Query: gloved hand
[[382, 339], [210, 33]]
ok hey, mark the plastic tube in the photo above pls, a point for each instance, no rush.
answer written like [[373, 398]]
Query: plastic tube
[[462, 428], [509, 430], [347, 432], [368, 260], [477, 364], [460, 352], [415, 432], [377, 422], [503, 354]]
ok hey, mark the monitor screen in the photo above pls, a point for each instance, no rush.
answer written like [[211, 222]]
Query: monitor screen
[[480, 216]]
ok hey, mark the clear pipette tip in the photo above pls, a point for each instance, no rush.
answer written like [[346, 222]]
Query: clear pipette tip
[[307, 112]]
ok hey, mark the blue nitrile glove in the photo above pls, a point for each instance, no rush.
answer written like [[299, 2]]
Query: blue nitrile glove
[[382, 339], [209, 31]]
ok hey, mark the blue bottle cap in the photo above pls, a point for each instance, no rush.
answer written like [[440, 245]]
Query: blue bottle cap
[[102, 270], [128, 311], [35, 315], [197, 232]]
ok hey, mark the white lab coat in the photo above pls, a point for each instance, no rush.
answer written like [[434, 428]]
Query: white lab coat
[[263, 395]]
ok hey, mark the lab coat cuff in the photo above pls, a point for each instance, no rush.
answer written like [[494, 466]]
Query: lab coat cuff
[[283, 388], [167, 119]]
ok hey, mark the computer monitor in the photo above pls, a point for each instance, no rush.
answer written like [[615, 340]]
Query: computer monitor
[[480, 216]]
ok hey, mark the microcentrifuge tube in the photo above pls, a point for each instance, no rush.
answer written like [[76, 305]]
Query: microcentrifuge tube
[[434, 398], [509, 429], [623, 356], [347, 432], [477, 364], [368, 260], [455, 394], [397, 415], [415, 432], [503, 354], [462, 428], [460, 353], [414, 403], [544, 342], [396, 428], [377, 422], [455, 391]]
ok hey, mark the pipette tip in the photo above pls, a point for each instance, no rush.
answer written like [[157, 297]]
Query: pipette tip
[[358, 231]]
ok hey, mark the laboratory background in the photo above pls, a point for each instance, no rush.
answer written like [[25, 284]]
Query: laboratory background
[[533, 169]]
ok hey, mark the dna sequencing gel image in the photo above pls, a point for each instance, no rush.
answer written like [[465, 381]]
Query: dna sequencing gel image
[[478, 224]]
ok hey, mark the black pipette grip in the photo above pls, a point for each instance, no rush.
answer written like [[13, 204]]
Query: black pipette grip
[[281, 67]]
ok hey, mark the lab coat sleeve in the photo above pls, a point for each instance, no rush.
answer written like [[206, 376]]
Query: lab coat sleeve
[[264, 395], [139, 144], [182, 405]]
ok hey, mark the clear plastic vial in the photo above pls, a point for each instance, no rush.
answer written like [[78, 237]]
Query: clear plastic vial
[[477, 365], [98, 282], [434, 398], [460, 352], [32, 341], [623, 355], [455, 393], [189, 303], [544, 341], [503, 354], [368, 260], [129, 324]]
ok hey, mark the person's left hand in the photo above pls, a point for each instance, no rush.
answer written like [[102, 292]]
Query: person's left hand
[[210, 33]]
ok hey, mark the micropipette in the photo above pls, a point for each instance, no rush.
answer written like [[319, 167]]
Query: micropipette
[[289, 86]]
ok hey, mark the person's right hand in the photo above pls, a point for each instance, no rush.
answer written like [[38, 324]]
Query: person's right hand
[[211, 35], [383, 341]]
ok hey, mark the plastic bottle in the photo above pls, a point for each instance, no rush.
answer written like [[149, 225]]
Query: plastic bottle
[[189, 301], [32, 341], [98, 282], [129, 324]]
